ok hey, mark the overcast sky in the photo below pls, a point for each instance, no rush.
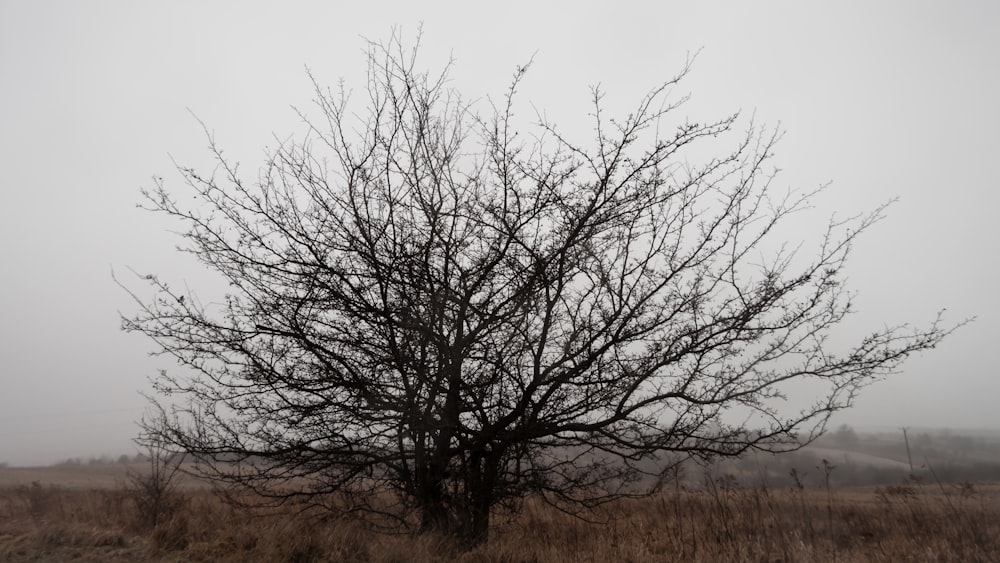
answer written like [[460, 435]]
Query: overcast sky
[[883, 99]]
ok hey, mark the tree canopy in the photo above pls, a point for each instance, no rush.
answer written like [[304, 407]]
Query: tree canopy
[[435, 312]]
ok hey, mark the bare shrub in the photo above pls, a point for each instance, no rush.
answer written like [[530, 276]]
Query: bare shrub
[[154, 491]]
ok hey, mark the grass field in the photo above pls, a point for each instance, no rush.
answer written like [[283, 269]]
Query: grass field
[[93, 513]]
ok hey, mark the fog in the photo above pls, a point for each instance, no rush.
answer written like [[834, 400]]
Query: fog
[[895, 99]]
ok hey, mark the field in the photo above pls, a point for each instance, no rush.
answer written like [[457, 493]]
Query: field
[[92, 512]]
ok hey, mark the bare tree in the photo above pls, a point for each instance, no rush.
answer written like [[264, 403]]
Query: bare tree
[[432, 316]]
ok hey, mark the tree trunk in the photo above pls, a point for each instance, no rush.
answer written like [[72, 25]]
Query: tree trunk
[[465, 519], [478, 530], [480, 480]]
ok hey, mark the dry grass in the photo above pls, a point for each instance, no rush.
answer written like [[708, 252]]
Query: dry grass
[[716, 521]]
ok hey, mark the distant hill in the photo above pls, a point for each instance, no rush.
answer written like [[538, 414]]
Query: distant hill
[[858, 458]]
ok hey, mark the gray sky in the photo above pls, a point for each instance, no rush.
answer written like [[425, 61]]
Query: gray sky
[[883, 99]]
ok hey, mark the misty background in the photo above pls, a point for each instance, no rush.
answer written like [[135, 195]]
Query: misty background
[[894, 99]]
